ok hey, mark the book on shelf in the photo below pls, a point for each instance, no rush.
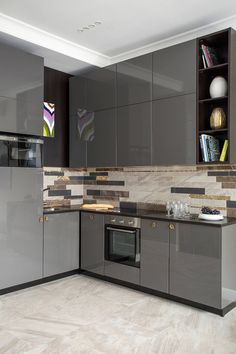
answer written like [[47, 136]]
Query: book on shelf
[[223, 155], [210, 148], [209, 56]]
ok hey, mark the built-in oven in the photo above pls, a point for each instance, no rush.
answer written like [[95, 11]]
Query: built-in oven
[[122, 240], [20, 151]]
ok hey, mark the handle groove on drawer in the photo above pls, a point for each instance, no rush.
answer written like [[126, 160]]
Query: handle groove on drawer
[[172, 227], [91, 217], [154, 224]]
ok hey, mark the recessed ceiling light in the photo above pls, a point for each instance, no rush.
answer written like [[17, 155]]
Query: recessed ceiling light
[[90, 26]]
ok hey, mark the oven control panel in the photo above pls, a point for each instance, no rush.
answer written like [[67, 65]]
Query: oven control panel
[[120, 220]]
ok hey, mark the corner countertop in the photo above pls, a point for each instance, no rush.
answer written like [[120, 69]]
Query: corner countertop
[[145, 214]]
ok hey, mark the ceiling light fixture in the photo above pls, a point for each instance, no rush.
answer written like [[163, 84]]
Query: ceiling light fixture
[[90, 26]]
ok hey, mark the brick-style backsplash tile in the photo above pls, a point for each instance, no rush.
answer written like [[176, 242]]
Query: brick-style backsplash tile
[[184, 190]]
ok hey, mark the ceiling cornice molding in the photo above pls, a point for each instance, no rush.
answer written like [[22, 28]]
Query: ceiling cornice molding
[[24, 31], [182, 37]]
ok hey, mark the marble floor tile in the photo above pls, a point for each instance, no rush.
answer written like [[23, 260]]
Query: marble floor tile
[[80, 314]]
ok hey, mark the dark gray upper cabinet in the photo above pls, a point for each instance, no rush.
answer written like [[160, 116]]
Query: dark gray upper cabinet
[[195, 263], [174, 130], [21, 92], [101, 145], [61, 243], [134, 135], [77, 94], [101, 88], [79, 134], [174, 70], [134, 80], [155, 255], [92, 242]]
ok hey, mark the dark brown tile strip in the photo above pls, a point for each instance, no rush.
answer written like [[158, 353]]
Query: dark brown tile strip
[[226, 179], [59, 192], [231, 212], [73, 197], [89, 201], [187, 190], [96, 192], [229, 185], [82, 178], [128, 205], [218, 173], [57, 186], [98, 173], [101, 197], [111, 183], [231, 204], [53, 173]]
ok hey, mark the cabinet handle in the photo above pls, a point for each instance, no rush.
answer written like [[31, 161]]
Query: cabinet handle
[[153, 224], [45, 218], [172, 227], [91, 217], [40, 219]]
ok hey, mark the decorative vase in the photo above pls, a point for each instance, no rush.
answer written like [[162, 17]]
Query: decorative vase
[[218, 118], [218, 87]]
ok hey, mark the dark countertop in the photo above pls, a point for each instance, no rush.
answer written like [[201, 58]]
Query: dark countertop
[[146, 214]]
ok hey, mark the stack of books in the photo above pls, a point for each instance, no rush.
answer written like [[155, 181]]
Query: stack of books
[[210, 148], [209, 57]]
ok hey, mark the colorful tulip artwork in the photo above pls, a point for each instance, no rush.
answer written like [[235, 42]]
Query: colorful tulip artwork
[[49, 120]]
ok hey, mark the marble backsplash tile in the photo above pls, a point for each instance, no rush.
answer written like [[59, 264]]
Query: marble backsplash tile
[[146, 186]]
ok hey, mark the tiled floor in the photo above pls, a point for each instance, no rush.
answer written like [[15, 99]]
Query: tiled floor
[[83, 315]]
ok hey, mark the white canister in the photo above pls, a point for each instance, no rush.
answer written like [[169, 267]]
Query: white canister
[[218, 87]]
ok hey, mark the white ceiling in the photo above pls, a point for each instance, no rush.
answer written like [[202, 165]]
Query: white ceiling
[[129, 27]]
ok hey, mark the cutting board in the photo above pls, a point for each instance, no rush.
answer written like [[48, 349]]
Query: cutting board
[[97, 206]]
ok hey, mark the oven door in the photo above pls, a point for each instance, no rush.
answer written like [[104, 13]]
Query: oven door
[[122, 245]]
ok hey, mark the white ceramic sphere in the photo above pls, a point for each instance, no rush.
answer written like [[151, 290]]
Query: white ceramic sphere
[[218, 87]]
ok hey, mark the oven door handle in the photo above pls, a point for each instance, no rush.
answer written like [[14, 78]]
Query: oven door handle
[[121, 230]]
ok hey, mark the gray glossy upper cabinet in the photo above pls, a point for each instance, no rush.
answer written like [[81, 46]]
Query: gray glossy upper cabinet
[[174, 70], [174, 130], [21, 241], [134, 135], [77, 94], [101, 146], [21, 91], [101, 88], [92, 242], [79, 135], [195, 263], [134, 80], [155, 255], [61, 243]]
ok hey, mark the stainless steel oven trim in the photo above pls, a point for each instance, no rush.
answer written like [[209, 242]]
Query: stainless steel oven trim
[[121, 230], [21, 139]]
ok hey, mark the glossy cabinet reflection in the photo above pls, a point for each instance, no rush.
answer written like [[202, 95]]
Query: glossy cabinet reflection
[[134, 135], [61, 243], [134, 80], [195, 263], [174, 130], [174, 70], [155, 255], [92, 242], [101, 88], [101, 144], [78, 141], [21, 92], [21, 233]]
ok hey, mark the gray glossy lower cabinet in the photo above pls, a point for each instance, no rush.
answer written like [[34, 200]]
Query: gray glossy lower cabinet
[[174, 130], [61, 243], [134, 135], [195, 263], [21, 232], [92, 242], [155, 255]]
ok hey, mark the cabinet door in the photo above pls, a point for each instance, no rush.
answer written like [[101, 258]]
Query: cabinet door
[[134, 80], [134, 135], [174, 131], [21, 92], [21, 232], [61, 243], [155, 254], [195, 263], [92, 242], [174, 70], [77, 94], [101, 88], [101, 147], [80, 133]]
